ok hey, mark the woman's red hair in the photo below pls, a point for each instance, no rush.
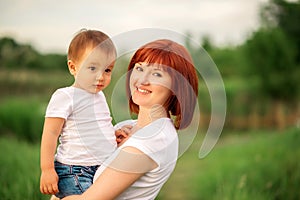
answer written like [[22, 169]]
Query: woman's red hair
[[178, 63]]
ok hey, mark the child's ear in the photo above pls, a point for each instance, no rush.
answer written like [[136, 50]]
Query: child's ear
[[72, 67]]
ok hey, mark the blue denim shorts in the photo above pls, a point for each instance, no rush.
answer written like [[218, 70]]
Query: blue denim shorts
[[74, 179]]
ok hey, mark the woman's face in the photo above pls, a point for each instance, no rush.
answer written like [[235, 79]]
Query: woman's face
[[150, 85]]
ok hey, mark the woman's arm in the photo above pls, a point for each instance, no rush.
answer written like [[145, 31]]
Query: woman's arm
[[49, 178], [128, 166]]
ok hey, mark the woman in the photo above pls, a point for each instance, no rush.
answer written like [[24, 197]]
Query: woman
[[162, 87]]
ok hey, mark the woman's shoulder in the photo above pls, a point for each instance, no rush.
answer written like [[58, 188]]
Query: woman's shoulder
[[131, 122], [158, 140], [159, 131], [159, 126]]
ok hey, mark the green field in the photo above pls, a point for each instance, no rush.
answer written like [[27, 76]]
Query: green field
[[244, 165]]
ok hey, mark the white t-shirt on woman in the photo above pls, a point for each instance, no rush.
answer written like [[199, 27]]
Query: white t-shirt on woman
[[157, 140]]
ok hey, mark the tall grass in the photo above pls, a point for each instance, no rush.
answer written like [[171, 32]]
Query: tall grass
[[248, 166], [22, 118], [257, 166], [19, 170]]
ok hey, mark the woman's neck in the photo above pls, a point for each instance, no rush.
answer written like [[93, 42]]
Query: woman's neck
[[146, 115]]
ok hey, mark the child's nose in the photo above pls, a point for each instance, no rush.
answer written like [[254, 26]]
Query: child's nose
[[99, 76]]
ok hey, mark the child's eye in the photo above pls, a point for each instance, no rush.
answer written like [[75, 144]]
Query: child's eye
[[108, 70], [92, 68]]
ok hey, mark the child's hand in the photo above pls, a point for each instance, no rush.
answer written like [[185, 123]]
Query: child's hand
[[49, 181], [122, 134]]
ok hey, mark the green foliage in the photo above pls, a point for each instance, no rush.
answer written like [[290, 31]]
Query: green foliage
[[21, 82], [256, 74], [14, 55], [272, 59], [274, 50], [22, 119], [53, 62], [285, 15], [260, 165], [19, 170], [19, 56], [230, 61]]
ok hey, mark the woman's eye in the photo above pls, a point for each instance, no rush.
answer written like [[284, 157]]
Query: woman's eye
[[157, 74], [138, 68]]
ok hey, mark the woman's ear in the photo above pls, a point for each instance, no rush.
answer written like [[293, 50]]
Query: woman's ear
[[72, 67]]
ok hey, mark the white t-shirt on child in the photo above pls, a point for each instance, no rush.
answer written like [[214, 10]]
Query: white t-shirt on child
[[157, 140], [88, 136]]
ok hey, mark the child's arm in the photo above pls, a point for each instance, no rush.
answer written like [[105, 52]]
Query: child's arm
[[51, 132]]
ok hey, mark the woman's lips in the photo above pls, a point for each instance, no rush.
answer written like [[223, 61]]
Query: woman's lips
[[143, 91]]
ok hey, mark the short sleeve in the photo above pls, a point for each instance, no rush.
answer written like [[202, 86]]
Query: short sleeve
[[156, 140], [60, 105]]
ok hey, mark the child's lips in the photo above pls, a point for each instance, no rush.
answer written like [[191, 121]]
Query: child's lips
[[99, 85]]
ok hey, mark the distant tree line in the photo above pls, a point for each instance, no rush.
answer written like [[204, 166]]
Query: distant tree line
[[23, 56], [268, 62]]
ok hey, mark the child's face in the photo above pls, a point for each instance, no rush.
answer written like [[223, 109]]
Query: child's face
[[150, 85], [93, 72]]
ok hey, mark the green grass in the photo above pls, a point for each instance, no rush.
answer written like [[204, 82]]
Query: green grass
[[22, 117], [19, 170], [241, 167], [260, 166]]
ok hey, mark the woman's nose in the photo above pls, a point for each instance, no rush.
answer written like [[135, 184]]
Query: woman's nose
[[143, 79]]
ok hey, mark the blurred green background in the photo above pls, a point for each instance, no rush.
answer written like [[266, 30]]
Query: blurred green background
[[258, 153]]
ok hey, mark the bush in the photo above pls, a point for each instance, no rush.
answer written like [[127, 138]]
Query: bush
[[22, 119]]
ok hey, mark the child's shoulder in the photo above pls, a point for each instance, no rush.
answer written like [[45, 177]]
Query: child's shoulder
[[64, 89]]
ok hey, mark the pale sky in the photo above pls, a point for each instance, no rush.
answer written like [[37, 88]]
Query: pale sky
[[49, 25]]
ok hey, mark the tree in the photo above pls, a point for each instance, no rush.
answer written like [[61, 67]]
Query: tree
[[286, 16], [272, 59], [24, 56]]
